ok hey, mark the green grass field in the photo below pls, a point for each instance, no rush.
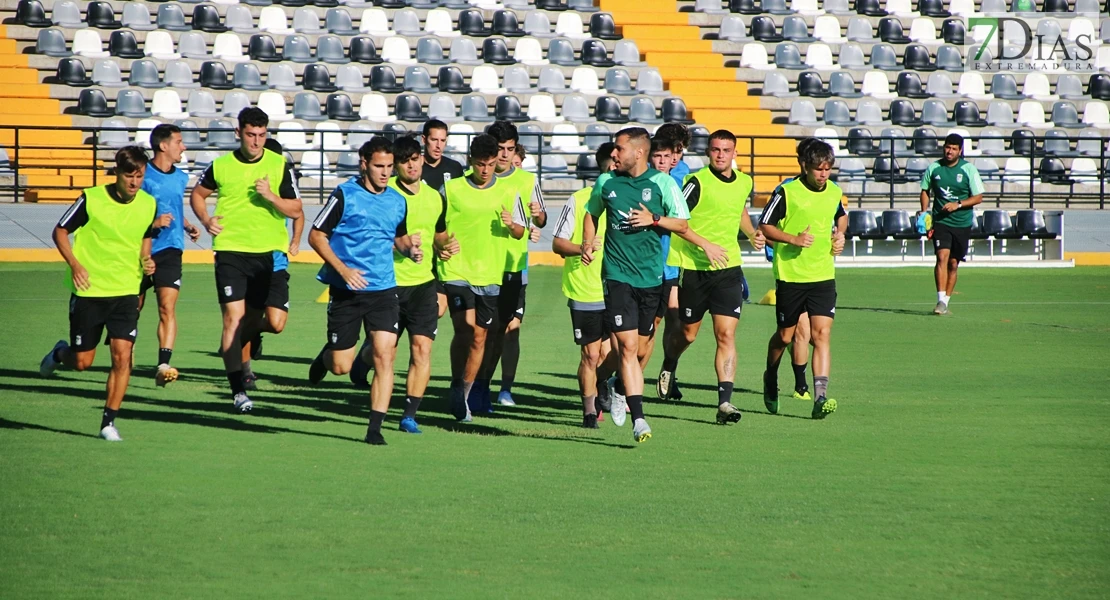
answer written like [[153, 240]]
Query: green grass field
[[970, 457]]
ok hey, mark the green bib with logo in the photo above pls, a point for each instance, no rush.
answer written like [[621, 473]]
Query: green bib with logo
[[716, 218], [108, 246], [815, 210], [474, 217], [250, 222], [423, 212], [583, 283]]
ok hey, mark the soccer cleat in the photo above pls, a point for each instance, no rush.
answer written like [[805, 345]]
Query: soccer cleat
[[603, 397], [941, 309], [505, 398], [110, 433], [618, 408], [165, 374], [802, 394], [48, 364], [771, 392], [823, 407], [676, 394], [317, 370], [459, 408], [360, 371], [242, 403], [727, 413], [640, 430], [374, 438], [256, 347], [250, 381], [663, 384], [408, 425], [589, 421]]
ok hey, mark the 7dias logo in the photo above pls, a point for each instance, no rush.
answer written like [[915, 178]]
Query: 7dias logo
[[1028, 45]]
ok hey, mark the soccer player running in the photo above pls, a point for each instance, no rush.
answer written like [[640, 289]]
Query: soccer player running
[[112, 228], [716, 197], [257, 193], [799, 219], [481, 213], [166, 183], [503, 345], [950, 188], [355, 234], [639, 204], [438, 169], [666, 152], [582, 287]]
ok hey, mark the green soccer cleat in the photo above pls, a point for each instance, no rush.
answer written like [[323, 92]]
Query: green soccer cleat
[[823, 407], [802, 395], [771, 392]]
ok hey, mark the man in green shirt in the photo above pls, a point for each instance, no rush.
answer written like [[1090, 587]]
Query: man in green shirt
[[950, 188], [640, 204], [480, 215], [257, 193], [717, 197], [112, 226], [799, 219]]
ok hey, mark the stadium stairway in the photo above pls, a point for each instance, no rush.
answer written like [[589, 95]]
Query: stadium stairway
[[26, 102], [693, 71]]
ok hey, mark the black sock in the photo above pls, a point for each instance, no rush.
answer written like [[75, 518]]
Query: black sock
[[820, 386], [412, 404], [235, 378], [669, 364], [108, 418], [57, 357], [799, 375], [724, 392], [164, 355], [636, 407], [376, 419]]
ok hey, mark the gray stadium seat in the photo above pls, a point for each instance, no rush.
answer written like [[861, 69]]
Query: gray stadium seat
[[473, 107], [430, 52], [280, 77], [576, 109], [306, 106], [144, 74], [136, 16], [561, 52], [247, 77], [192, 45], [329, 49], [418, 80], [178, 74], [130, 103]]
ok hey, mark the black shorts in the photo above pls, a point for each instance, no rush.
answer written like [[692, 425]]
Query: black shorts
[[278, 296], [462, 298], [665, 297], [167, 271], [510, 302], [419, 309], [628, 308], [719, 292], [89, 316], [589, 326], [792, 299], [440, 289], [349, 312], [244, 276], [955, 239]]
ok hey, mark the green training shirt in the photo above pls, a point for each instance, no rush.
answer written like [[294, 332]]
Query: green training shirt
[[425, 209], [108, 244], [952, 184]]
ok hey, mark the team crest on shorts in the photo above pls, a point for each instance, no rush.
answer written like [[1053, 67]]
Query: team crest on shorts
[[335, 338], [76, 340], [227, 291], [646, 195], [577, 334], [689, 312], [458, 301], [618, 320]]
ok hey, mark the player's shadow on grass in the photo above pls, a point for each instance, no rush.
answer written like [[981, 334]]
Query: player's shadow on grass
[[6, 424], [265, 358], [650, 384], [894, 311]]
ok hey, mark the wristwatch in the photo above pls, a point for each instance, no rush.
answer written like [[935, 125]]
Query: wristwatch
[[655, 219]]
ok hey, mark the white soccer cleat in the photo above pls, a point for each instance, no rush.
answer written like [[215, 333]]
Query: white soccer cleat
[[640, 430], [110, 434], [243, 404], [165, 375], [48, 364], [505, 398], [618, 408]]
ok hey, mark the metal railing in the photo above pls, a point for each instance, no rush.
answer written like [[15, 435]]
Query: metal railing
[[1040, 186]]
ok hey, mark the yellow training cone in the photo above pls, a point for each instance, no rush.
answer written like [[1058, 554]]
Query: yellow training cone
[[768, 298], [324, 297]]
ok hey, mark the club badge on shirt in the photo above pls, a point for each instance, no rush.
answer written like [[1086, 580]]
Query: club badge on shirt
[[646, 196]]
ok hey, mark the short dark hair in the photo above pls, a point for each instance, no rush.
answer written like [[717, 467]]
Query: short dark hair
[[130, 159], [604, 156], [634, 133], [378, 143], [405, 147], [521, 151], [432, 125], [253, 116], [815, 153], [273, 145], [678, 133], [503, 131], [160, 134], [483, 147], [723, 134], [954, 139], [659, 145]]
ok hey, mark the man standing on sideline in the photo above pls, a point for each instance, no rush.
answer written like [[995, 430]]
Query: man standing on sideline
[[480, 214], [257, 193], [355, 234], [639, 204], [111, 226], [582, 287], [504, 344], [955, 188], [717, 198], [800, 219], [438, 169], [166, 183]]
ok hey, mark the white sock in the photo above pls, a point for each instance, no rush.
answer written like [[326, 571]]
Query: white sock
[[942, 297], [947, 299]]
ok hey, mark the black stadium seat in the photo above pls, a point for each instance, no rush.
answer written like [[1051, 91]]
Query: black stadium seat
[[863, 224], [263, 49], [31, 14], [1031, 223], [496, 52], [977, 231], [508, 109], [383, 79], [898, 225], [362, 50], [71, 71], [122, 44], [101, 15], [450, 80], [213, 75], [341, 108], [608, 109], [205, 18], [92, 102], [997, 223], [603, 27]]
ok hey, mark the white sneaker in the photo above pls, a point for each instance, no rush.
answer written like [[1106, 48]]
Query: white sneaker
[[165, 375], [111, 434], [48, 364], [618, 408], [505, 399], [640, 430], [243, 404]]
